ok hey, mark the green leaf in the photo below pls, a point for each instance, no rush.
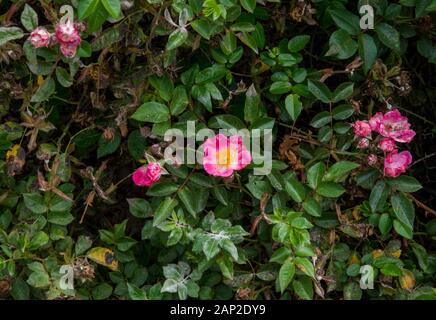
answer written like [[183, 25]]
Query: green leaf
[[378, 196], [252, 104], [82, 245], [298, 43], [180, 101], [226, 266], [211, 74], [152, 112], [405, 184], [177, 38], [385, 224], [45, 91], [29, 18], [293, 105], [86, 8], [211, 247], [345, 20], [319, 90], [248, 40], [230, 247], [249, 5], [286, 274], [342, 46], [352, 291], [295, 189], [303, 288], [301, 223], [403, 229], [306, 266], [106, 147], [164, 210], [60, 218], [403, 209], [63, 77], [202, 27], [139, 208], [136, 293], [226, 121], [102, 291], [343, 112], [343, 91], [321, 119], [330, 189], [34, 202], [312, 207], [106, 39], [280, 87], [162, 189], [339, 170], [388, 35], [367, 51], [113, 7], [315, 174], [39, 278], [10, 33]]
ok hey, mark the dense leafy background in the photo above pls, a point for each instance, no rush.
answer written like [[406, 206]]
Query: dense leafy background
[[73, 130]]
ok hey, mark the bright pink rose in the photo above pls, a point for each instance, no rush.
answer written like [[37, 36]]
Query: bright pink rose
[[146, 176], [68, 51], [40, 37], [387, 145], [397, 127], [223, 155], [363, 143], [372, 160], [396, 163], [362, 128], [375, 121], [67, 34]]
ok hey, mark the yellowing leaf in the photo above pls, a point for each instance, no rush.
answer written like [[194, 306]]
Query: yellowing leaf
[[377, 253], [103, 256], [40, 80], [396, 253], [353, 259], [15, 160], [407, 280]]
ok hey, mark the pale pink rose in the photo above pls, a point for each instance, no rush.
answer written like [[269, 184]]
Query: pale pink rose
[[397, 163], [68, 51], [223, 155], [363, 143], [40, 37], [67, 34], [372, 160], [387, 145], [375, 121], [362, 128], [397, 127], [146, 176]]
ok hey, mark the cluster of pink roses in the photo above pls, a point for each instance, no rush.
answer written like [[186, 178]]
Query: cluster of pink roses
[[67, 34], [392, 127], [222, 156]]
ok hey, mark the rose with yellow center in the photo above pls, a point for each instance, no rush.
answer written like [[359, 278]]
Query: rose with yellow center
[[223, 155]]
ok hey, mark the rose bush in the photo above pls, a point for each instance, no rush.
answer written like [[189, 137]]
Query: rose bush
[[89, 89]]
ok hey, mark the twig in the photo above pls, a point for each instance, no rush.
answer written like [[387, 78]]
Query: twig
[[424, 158], [422, 205]]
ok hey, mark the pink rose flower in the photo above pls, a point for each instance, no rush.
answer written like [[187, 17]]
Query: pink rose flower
[[40, 37], [396, 163], [362, 128], [68, 51], [375, 121], [363, 143], [146, 176], [397, 127], [67, 34], [223, 155], [387, 145], [372, 160]]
